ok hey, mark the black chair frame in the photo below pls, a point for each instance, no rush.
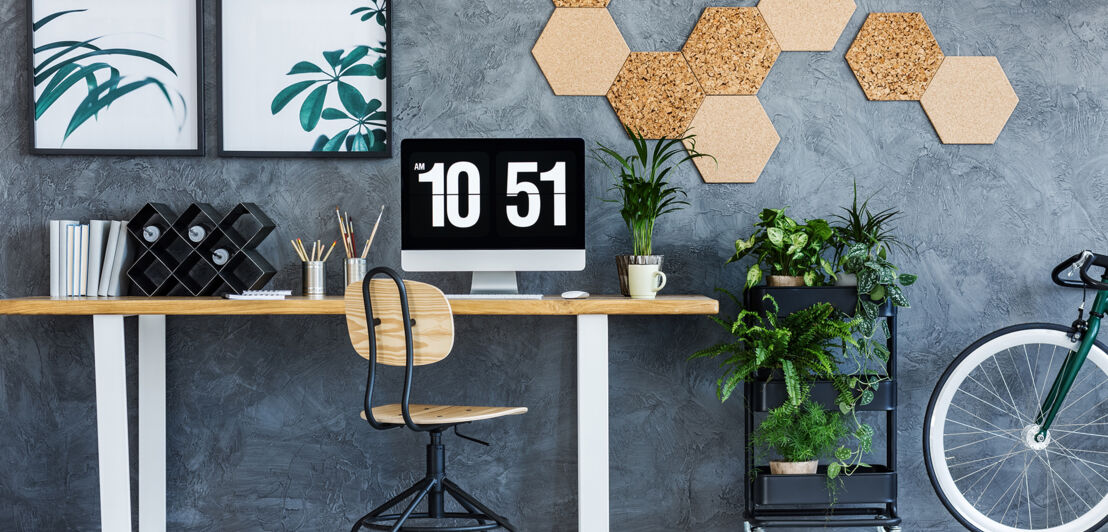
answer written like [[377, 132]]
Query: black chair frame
[[434, 486]]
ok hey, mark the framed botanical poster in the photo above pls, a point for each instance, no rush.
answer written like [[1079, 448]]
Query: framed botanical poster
[[115, 77], [304, 79]]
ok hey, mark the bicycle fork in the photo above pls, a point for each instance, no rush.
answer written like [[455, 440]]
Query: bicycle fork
[[1072, 365]]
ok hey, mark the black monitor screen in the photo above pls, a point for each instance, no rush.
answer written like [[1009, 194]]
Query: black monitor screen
[[493, 193]]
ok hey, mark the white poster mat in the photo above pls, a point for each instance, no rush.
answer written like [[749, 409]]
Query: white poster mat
[[261, 41], [140, 120]]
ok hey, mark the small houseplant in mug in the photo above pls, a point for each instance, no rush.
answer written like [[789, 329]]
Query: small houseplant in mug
[[646, 195], [791, 252]]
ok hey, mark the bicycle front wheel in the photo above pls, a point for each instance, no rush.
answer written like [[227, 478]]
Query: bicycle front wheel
[[979, 435]]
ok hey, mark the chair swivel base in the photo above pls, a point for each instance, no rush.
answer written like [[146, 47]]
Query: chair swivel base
[[433, 489]]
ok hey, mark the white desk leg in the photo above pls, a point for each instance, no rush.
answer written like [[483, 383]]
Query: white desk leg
[[111, 423], [592, 422], [151, 447]]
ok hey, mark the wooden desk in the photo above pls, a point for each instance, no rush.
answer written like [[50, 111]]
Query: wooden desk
[[111, 381]]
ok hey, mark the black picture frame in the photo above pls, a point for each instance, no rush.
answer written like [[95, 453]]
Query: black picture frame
[[31, 104], [223, 152]]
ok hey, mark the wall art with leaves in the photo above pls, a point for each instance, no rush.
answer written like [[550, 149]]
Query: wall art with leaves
[[115, 76], [305, 78]]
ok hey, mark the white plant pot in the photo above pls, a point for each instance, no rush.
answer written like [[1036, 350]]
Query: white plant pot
[[793, 468], [846, 279]]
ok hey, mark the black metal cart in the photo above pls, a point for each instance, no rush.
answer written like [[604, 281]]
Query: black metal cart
[[867, 498]]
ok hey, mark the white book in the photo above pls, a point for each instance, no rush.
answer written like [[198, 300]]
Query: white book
[[58, 249], [109, 259], [97, 238], [55, 279], [117, 283], [71, 234], [82, 262]]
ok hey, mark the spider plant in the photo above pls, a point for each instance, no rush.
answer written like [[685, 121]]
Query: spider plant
[[860, 225], [640, 182], [75, 61]]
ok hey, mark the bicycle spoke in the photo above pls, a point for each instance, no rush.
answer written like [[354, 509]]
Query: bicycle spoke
[[1031, 372], [1005, 432], [992, 390], [975, 442], [978, 417]]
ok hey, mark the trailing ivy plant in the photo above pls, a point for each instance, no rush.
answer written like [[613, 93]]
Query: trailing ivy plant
[[640, 182], [784, 247], [365, 121], [863, 242], [85, 64]]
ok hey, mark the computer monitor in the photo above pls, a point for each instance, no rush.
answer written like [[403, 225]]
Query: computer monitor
[[492, 207]]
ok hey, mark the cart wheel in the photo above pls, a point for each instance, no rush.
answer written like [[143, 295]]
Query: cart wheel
[[893, 528], [746, 526]]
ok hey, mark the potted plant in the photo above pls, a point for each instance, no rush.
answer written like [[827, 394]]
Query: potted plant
[[788, 252], [800, 435], [863, 242], [644, 192]]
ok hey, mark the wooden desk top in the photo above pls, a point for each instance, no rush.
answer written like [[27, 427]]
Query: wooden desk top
[[333, 305]]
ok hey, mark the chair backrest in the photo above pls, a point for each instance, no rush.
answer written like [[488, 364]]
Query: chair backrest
[[432, 332]]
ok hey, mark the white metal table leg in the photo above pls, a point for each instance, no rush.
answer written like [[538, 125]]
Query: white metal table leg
[[111, 423], [592, 422], [151, 447]]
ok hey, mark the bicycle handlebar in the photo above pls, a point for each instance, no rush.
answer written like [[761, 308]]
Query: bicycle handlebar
[[1084, 261]]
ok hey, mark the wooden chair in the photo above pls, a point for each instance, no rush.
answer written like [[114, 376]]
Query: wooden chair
[[412, 325]]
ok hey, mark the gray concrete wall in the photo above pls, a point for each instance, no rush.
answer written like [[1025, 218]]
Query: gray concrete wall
[[264, 431]]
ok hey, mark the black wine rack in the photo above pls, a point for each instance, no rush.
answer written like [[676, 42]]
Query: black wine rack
[[177, 258]]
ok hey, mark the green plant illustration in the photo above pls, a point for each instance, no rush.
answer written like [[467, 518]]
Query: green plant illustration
[[365, 120], [377, 11], [76, 61]]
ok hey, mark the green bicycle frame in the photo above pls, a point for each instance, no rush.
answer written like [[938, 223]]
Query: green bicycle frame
[[1072, 365]]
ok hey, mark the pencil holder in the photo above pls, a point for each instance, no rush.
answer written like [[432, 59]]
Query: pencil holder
[[313, 278], [354, 270]]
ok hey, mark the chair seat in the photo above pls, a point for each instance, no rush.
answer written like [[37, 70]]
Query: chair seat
[[440, 414]]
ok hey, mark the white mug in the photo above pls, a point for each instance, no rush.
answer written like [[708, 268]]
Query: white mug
[[644, 280]]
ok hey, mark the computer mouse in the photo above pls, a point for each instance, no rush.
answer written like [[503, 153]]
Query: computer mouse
[[575, 294]]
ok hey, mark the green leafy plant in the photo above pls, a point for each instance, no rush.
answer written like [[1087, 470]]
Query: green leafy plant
[[807, 344], [365, 120], [800, 432], [72, 62], [784, 247], [863, 242], [640, 181], [378, 11]]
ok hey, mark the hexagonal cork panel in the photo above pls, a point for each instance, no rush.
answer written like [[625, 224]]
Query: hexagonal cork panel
[[807, 25], [580, 51], [655, 94], [731, 50], [737, 132], [581, 3], [894, 56], [969, 100]]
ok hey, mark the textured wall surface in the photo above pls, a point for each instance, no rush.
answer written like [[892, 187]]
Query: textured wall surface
[[263, 426]]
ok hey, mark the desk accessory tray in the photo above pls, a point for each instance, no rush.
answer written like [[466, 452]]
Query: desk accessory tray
[[175, 264]]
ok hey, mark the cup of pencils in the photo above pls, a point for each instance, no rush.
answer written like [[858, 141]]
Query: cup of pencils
[[354, 267], [313, 274]]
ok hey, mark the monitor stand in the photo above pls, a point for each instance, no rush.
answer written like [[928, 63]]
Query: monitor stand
[[494, 283]]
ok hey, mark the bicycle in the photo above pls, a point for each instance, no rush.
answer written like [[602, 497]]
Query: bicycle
[[1007, 448]]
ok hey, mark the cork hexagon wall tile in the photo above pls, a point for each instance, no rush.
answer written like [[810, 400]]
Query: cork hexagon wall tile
[[656, 94], [737, 132], [731, 50], [894, 56], [807, 25], [580, 51], [969, 100], [581, 3]]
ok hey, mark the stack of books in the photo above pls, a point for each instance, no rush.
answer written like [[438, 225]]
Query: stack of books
[[88, 259]]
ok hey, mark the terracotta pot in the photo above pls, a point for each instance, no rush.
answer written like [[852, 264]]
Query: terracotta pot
[[793, 468], [622, 261], [785, 280]]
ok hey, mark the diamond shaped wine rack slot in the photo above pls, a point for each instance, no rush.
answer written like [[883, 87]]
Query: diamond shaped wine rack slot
[[199, 253]]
